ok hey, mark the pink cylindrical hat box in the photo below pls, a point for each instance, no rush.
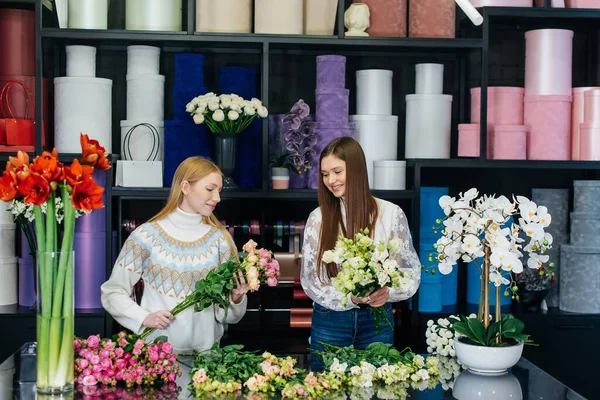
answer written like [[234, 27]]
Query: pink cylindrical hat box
[[577, 117], [432, 18], [548, 119], [502, 3], [388, 17], [591, 106], [582, 3], [510, 142], [468, 140], [589, 149], [548, 62]]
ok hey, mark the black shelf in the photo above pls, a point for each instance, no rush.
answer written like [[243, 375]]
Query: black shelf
[[533, 12], [18, 3], [16, 310], [257, 40], [291, 194], [506, 164]]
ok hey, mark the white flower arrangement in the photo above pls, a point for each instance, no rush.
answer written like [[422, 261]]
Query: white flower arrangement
[[226, 113], [474, 224]]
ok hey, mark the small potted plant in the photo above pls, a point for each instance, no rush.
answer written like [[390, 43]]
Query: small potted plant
[[295, 146], [474, 227]]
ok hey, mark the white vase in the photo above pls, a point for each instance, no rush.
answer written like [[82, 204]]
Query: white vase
[[488, 360], [357, 19], [470, 385]]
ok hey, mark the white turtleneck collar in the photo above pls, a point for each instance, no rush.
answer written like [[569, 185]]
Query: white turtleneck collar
[[184, 226]]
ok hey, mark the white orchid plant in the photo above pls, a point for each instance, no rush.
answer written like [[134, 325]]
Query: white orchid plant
[[476, 227], [225, 113]]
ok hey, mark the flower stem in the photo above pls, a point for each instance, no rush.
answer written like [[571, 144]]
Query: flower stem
[[45, 294]]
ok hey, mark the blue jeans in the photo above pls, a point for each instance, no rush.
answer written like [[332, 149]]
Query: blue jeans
[[344, 328]]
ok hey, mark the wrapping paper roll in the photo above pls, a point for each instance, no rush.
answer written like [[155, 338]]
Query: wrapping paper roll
[[88, 14], [589, 149], [591, 108], [82, 105], [153, 15], [388, 17], [17, 41], [374, 92], [548, 62], [331, 72]]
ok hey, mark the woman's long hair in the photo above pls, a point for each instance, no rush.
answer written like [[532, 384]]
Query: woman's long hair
[[191, 170], [361, 206]]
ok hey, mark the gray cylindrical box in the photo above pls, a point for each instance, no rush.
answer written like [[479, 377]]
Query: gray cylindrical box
[[585, 229], [557, 203], [580, 279], [586, 196]]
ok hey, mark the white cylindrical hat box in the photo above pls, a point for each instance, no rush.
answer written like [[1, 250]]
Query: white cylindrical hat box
[[145, 97], [279, 16], [9, 282], [142, 144], [389, 175], [153, 15], [82, 105], [143, 60], [428, 119], [429, 78], [88, 14], [81, 61], [374, 92], [7, 242], [378, 137], [226, 16]]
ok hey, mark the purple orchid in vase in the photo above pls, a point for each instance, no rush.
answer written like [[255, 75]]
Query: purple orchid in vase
[[296, 145]]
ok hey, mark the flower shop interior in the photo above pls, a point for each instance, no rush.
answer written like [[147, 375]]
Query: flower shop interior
[[431, 89]]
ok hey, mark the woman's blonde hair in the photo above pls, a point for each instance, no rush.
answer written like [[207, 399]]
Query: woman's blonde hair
[[191, 170]]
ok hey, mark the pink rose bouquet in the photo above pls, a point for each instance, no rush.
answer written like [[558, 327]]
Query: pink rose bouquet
[[124, 358]]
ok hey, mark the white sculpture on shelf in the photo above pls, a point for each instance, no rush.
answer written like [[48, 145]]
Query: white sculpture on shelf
[[356, 19]]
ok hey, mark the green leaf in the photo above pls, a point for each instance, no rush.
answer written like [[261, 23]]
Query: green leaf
[[464, 329], [521, 337], [492, 332], [512, 325], [478, 329], [163, 339]]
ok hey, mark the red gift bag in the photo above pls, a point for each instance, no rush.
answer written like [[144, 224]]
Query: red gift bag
[[15, 131]]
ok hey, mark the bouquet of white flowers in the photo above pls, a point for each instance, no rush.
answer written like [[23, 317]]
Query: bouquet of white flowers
[[366, 267], [227, 113]]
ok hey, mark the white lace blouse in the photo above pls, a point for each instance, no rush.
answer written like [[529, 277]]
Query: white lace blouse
[[391, 223]]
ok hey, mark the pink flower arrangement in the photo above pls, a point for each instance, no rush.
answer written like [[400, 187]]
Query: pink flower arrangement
[[125, 358], [168, 391], [259, 266]]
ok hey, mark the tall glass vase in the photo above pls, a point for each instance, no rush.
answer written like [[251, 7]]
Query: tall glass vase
[[55, 322], [224, 155]]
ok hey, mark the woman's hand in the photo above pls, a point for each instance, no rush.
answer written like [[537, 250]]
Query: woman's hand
[[240, 289], [379, 297], [158, 320]]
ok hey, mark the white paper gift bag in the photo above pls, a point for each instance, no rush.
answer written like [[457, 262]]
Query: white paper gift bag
[[137, 173]]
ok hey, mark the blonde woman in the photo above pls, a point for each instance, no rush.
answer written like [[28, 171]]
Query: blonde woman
[[170, 252]]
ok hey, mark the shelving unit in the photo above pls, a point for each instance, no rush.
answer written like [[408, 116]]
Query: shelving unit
[[469, 59]]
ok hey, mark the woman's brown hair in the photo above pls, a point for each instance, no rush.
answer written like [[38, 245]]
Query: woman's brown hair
[[191, 170], [361, 206]]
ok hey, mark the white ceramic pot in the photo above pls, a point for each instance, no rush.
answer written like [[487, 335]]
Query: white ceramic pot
[[487, 360]]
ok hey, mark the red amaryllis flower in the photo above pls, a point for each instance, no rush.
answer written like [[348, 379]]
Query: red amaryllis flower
[[47, 165], [92, 152], [35, 188], [103, 163], [8, 190], [77, 173], [87, 196], [18, 166]]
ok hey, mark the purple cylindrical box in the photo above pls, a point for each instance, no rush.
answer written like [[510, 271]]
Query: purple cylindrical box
[[26, 289], [90, 268], [96, 220], [324, 137], [331, 72], [332, 105]]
